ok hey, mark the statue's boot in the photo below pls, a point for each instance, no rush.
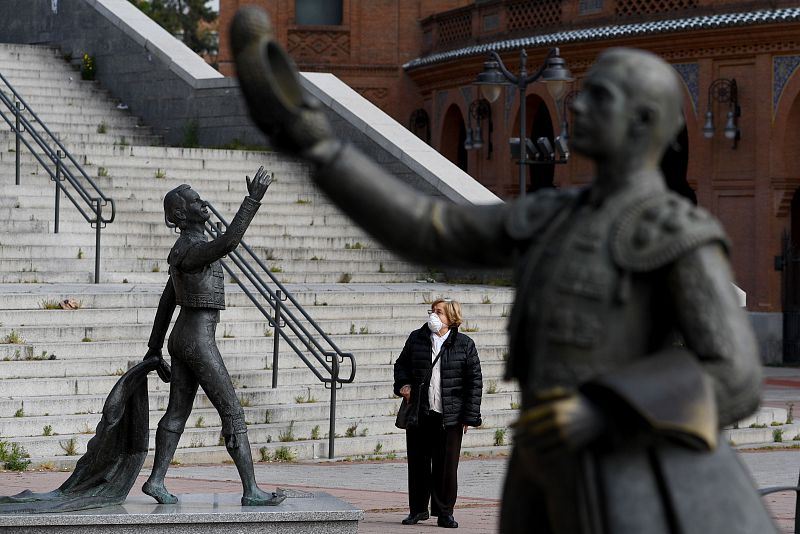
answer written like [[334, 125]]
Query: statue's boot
[[238, 447], [166, 443]]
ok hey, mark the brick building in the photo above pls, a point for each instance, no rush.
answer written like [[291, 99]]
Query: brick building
[[417, 60]]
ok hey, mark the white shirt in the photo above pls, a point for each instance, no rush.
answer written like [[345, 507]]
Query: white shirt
[[435, 386]]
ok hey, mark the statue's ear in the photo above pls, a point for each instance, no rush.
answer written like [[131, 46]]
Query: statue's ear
[[179, 214], [643, 120]]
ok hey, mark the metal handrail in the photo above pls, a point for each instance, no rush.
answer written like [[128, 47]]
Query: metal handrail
[[89, 202], [325, 356]]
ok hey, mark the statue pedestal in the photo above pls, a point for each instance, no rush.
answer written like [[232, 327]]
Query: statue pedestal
[[200, 513]]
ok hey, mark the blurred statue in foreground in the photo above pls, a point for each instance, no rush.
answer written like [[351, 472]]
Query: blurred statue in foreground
[[626, 338]]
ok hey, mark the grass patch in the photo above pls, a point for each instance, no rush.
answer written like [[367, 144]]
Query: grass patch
[[499, 437], [102, 127], [102, 172], [276, 269], [70, 447], [345, 278], [491, 387], [47, 430], [284, 454], [305, 399], [315, 432], [13, 456], [288, 434], [161, 174], [20, 412], [468, 328], [777, 435], [351, 431], [13, 338], [486, 300], [50, 304], [355, 246]]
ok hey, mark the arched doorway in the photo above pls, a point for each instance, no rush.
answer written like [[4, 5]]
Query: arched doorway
[[540, 176], [538, 124], [791, 284], [454, 133], [674, 165]]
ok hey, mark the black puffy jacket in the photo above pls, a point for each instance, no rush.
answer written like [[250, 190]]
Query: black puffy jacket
[[462, 383]]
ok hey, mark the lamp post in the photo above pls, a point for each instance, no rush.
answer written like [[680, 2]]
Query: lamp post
[[495, 74]]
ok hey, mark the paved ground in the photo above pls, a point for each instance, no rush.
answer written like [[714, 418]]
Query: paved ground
[[380, 488]]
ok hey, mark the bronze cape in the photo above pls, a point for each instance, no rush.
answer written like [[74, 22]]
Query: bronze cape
[[114, 456]]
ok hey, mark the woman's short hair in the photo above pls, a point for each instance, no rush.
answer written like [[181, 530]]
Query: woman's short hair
[[172, 201], [452, 310]]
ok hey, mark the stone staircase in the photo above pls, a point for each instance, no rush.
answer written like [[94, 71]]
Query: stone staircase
[[57, 366]]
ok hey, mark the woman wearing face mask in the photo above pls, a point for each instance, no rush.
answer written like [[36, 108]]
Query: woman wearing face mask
[[449, 397]]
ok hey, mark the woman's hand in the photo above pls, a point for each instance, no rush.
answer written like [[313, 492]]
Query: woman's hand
[[259, 184], [405, 392]]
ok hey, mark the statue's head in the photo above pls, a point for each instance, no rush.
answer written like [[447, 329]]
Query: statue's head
[[184, 207], [631, 101]]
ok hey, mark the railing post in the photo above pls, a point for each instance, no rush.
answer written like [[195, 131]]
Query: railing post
[[97, 213], [16, 136], [332, 426], [58, 192], [277, 339]]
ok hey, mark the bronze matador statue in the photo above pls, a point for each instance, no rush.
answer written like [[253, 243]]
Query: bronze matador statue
[[626, 338], [114, 456], [196, 284]]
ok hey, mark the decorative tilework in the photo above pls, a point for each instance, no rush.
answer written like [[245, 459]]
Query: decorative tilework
[[690, 73], [782, 69]]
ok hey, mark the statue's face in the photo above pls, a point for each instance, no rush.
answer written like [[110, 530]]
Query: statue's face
[[601, 115], [196, 208]]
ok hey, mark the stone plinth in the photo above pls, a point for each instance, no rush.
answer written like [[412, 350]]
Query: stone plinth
[[201, 513]]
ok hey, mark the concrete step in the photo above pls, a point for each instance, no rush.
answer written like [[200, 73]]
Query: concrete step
[[356, 447], [250, 379], [68, 349], [83, 317], [105, 296], [284, 414], [39, 365], [361, 391], [257, 325]]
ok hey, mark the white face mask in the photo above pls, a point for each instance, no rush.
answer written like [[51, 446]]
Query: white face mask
[[434, 323]]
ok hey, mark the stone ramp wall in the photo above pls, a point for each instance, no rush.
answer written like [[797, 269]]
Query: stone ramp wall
[[176, 92]]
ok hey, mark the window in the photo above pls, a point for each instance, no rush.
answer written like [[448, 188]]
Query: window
[[318, 12]]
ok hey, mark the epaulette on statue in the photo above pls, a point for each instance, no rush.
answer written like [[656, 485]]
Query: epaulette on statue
[[654, 232]]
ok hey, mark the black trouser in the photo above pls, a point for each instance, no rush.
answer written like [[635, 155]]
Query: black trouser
[[433, 452]]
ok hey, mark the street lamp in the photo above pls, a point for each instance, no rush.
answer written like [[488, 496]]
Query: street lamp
[[495, 75]]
